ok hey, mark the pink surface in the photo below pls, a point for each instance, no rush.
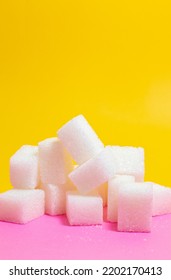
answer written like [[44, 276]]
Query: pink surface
[[52, 238]]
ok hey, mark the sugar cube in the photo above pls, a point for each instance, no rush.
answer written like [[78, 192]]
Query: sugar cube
[[80, 139], [129, 161], [21, 206], [24, 168], [113, 187], [55, 197], [84, 209], [94, 172], [135, 207], [55, 162]]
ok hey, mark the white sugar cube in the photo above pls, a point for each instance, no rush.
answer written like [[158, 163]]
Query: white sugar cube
[[55, 197], [21, 206], [80, 139], [135, 207], [113, 188], [55, 162], [94, 172], [129, 161], [84, 209], [24, 172]]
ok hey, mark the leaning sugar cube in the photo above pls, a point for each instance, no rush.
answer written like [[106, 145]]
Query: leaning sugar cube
[[135, 207], [102, 190], [80, 139], [55, 162], [113, 187], [94, 172], [129, 161], [161, 200], [84, 209], [24, 167], [21, 206]]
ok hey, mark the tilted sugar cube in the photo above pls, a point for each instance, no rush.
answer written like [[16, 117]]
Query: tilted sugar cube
[[55, 197], [24, 168], [55, 162], [161, 200], [135, 207], [84, 209], [129, 161], [94, 172], [21, 206], [113, 188], [80, 139]]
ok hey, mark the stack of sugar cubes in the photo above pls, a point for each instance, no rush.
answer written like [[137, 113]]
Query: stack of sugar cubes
[[76, 175]]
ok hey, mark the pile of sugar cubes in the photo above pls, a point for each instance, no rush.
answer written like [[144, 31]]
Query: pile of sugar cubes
[[76, 175]]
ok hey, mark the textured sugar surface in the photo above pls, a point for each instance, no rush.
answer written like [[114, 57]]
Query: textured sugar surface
[[113, 187], [161, 200], [80, 139], [84, 209], [94, 172], [135, 207], [21, 206], [55, 199], [129, 161], [24, 172], [55, 162]]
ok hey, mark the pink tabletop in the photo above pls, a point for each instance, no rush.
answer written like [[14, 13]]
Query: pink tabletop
[[52, 238]]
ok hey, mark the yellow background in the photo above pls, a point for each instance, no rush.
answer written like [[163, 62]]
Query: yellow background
[[109, 60]]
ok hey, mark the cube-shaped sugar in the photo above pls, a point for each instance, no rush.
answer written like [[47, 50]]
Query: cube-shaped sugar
[[135, 207], [55, 162], [55, 197], [21, 206], [24, 168], [161, 200], [129, 161], [80, 139], [113, 187], [94, 172], [84, 209]]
